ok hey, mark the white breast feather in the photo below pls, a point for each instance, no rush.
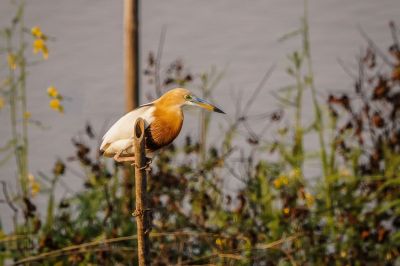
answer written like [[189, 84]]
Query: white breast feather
[[123, 128]]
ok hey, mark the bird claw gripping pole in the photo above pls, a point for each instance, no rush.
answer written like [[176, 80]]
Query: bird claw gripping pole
[[141, 211], [147, 166]]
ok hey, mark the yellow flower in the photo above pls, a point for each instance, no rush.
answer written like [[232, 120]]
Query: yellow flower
[[56, 105], [35, 186], [52, 91], [286, 211], [39, 45], [284, 180], [309, 199], [27, 115], [12, 61], [277, 183], [37, 32], [1, 103]]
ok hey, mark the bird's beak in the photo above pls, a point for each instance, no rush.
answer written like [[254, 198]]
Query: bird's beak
[[206, 105]]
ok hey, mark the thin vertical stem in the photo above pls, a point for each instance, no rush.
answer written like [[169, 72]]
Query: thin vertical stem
[[310, 79], [204, 121], [22, 83], [13, 118], [298, 151], [327, 171], [157, 65]]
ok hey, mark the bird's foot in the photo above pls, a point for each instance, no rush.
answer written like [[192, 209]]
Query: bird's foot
[[120, 159], [147, 165], [124, 159]]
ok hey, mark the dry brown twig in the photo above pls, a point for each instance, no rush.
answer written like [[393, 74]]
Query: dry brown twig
[[87, 246], [233, 255]]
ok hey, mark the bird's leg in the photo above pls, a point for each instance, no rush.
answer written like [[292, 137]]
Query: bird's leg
[[146, 166], [120, 159], [125, 159]]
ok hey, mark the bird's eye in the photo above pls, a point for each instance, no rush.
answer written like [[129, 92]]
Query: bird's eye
[[188, 97]]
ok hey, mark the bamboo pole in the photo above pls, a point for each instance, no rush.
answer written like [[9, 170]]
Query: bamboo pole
[[141, 211], [131, 47], [131, 77]]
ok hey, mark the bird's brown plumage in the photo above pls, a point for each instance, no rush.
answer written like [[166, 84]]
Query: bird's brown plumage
[[168, 119], [164, 129]]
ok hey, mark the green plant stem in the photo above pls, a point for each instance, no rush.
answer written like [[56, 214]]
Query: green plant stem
[[298, 148], [22, 82], [209, 82], [204, 121], [13, 119], [332, 159], [319, 121], [50, 206]]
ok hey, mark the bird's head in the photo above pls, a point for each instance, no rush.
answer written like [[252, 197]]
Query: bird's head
[[180, 97]]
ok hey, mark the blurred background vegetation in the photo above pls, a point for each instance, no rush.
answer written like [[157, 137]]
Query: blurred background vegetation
[[349, 215]]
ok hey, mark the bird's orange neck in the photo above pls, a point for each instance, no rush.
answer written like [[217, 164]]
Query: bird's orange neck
[[166, 125], [170, 115]]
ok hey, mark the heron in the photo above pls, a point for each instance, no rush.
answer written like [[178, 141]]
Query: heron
[[163, 122]]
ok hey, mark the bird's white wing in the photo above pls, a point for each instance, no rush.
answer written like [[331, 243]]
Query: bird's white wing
[[123, 128]]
